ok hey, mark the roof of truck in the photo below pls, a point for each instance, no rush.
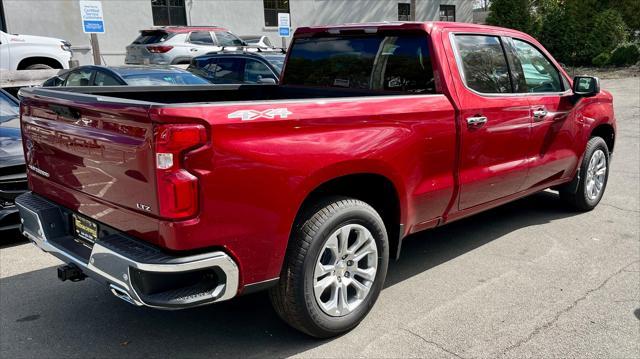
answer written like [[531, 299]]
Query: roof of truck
[[398, 25]]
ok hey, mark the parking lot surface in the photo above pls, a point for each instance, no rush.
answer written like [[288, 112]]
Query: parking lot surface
[[528, 279]]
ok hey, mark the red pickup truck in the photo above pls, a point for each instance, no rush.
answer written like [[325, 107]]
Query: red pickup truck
[[175, 197]]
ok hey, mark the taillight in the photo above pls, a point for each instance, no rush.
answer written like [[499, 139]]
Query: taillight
[[159, 49], [177, 188]]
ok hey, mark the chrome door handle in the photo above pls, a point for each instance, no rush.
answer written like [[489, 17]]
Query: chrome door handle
[[476, 121], [539, 115]]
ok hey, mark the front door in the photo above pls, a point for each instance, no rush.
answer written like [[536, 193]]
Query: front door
[[554, 131], [495, 122]]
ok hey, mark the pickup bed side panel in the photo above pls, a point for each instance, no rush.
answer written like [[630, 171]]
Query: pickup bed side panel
[[262, 169]]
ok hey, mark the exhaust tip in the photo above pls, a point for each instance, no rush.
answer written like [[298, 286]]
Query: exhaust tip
[[122, 294]]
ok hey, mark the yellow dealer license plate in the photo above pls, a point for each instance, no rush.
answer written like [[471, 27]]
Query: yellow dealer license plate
[[85, 229]]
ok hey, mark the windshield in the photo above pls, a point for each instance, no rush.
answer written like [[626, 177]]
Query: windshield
[[276, 60], [164, 79], [399, 63], [9, 110], [152, 37]]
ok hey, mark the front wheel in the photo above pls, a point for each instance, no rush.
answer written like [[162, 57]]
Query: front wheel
[[594, 173], [335, 268]]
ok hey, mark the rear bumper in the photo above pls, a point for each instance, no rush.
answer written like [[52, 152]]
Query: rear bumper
[[134, 271]]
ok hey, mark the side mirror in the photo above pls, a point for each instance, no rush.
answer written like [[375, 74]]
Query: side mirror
[[586, 86], [267, 81]]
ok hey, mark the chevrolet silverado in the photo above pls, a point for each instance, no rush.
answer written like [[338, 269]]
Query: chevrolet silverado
[[175, 197]]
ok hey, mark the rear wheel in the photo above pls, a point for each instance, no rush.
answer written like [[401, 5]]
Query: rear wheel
[[594, 173], [335, 268]]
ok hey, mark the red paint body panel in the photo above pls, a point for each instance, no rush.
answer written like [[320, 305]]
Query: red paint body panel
[[254, 175]]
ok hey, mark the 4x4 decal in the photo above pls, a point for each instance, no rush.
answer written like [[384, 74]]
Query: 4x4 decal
[[248, 115]]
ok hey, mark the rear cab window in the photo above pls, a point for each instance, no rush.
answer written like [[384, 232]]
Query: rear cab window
[[152, 37], [399, 63]]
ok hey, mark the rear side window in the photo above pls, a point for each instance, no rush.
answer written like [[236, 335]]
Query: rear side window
[[483, 63], [201, 37], [79, 78], [538, 72], [228, 39], [225, 70], [254, 71], [374, 62], [103, 79], [152, 37]]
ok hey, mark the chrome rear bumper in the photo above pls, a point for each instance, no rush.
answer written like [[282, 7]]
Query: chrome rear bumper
[[134, 271]]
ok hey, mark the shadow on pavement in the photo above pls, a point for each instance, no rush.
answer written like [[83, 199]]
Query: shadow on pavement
[[41, 316]]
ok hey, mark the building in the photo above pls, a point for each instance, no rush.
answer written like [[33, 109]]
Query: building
[[124, 18]]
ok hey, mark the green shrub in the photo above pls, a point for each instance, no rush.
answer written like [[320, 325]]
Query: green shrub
[[608, 31], [625, 54], [601, 60]]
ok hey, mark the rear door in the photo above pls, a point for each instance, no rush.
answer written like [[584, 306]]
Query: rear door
[[200, 42], [495, 122], [554, 132]]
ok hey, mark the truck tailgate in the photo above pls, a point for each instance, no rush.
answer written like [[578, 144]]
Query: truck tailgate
[[82, 144]]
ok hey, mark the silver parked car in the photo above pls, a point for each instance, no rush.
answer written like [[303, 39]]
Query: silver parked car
[[172, 45]]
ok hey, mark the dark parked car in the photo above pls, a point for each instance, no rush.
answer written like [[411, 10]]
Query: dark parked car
[[239, 67], [13, 176], [125, 75]]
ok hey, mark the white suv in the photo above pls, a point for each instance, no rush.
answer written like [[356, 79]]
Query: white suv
[[25, 52], [173, 45]]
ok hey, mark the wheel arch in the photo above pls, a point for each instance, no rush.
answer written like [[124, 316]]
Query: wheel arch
[[32, 60], [379, 188], [607, 133]]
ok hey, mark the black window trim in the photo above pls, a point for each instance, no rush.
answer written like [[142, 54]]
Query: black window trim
[[264, 17], [458, 60], [167, 7], [446, 7]]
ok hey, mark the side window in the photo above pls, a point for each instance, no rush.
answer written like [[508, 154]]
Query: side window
[[539, 73], [483, 63], [103, 79], [255, 70], [79, 78], [201, 38], [228, 39], [226, 71]]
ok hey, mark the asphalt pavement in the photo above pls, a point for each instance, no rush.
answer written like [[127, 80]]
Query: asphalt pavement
[[528, 279]]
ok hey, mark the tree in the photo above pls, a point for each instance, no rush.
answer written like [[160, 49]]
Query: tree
[[513, 14]]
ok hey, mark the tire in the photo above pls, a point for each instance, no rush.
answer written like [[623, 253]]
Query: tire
[[317, 230], [38, 67], [584, 198]]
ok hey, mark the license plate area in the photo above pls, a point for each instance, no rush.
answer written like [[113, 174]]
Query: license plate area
[[85, 231]]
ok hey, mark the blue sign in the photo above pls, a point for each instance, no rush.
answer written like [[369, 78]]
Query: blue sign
[[93, 26], [284, 31]]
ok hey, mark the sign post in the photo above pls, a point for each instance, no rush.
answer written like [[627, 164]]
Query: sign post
[[284, 27], [92, 23]]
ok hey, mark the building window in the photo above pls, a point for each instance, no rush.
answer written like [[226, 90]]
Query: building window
[[168, 12], [271, 10], [404, 12], [447, 13]]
